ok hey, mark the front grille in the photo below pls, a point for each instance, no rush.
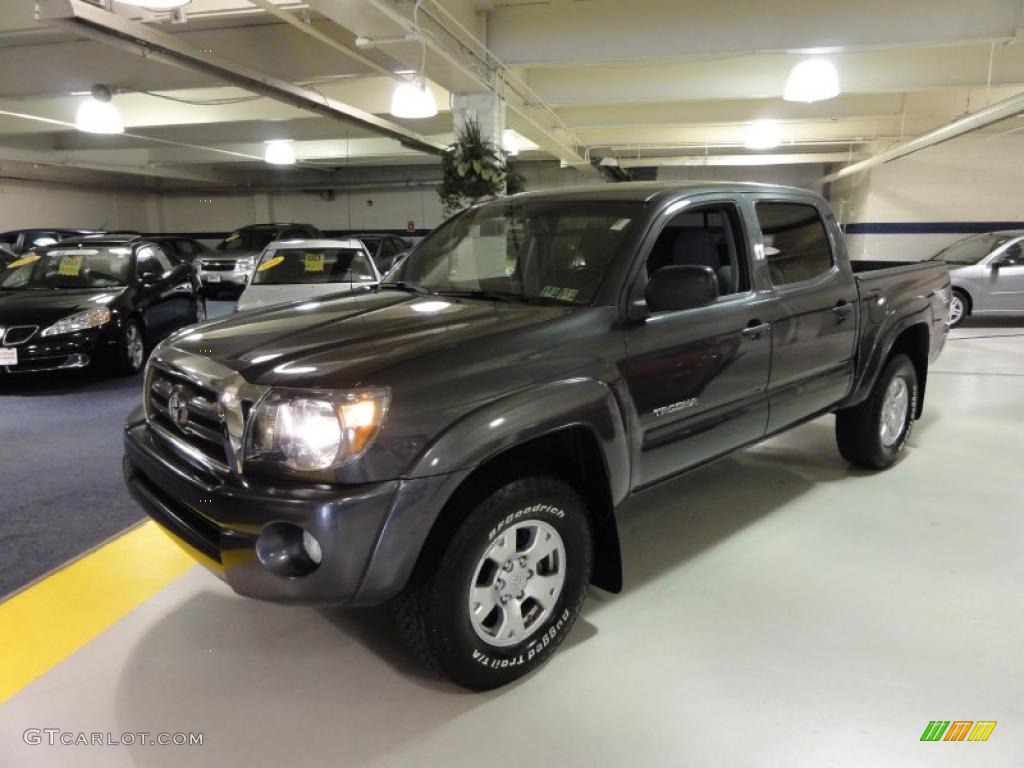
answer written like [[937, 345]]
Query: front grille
[[196, 421], [218, 266], [19, 334]]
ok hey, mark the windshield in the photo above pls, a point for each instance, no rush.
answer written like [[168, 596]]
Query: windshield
[[247, 240], [971, 250], [68, 268], [544, 251], [295, 266]]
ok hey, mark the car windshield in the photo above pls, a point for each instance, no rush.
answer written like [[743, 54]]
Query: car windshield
[[971, 249], [247, 240], [313, 266], [105, 267], [531, 251]]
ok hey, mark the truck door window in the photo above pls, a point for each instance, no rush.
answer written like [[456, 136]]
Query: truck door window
[[796, 245], [707, 237]]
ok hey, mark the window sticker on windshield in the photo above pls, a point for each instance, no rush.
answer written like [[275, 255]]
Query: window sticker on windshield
[[30, 259], [314, 262], [70, 266], [270, 264], [550, 292], [567, 294], [620, 225]]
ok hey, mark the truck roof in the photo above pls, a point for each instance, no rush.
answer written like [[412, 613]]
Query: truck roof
[[647, 191]]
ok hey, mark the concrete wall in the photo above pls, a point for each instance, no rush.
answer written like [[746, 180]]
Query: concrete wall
[[37, 204], [912, 207]]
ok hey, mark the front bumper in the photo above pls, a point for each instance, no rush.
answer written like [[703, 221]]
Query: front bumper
[[64, 352], [370, 535]]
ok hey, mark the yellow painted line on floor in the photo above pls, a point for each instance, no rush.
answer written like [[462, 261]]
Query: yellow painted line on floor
[[51, 619]]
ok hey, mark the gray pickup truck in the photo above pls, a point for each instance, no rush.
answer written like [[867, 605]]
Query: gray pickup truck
[[458, 439]]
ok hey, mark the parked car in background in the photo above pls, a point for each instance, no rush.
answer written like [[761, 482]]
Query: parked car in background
[[93, 301], [23, 240], [186, 249], [460, 437], [987, 272], [229, 267], [290, 270], [385, 250]]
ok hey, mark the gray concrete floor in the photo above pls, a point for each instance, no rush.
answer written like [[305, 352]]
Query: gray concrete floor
[[780, 610]]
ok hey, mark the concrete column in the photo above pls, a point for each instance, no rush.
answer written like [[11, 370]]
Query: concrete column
[[485, 108]]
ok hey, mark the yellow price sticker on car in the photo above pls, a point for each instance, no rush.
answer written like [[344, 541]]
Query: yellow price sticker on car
[[24, 261], [314, 262], [270, 263], [232, 236], [70, 266]]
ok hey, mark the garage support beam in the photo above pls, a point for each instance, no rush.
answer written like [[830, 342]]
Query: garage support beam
[[540, 34], [86, 19]]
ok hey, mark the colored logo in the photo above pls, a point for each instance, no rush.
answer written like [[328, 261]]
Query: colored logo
[[958, 730]]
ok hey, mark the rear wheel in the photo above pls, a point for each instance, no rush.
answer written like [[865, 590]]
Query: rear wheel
[[874, 433], [495, 599], [959, 308]]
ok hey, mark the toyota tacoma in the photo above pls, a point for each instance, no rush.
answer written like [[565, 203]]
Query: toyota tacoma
[[457, 440]]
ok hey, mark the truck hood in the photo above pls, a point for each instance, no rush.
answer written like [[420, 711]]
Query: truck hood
[[347, 339], [43, 308]]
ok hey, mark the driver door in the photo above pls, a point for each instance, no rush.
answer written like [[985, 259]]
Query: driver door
[[1005, 280]]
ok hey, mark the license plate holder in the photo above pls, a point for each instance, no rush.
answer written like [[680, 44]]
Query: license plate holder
[[8, 355]]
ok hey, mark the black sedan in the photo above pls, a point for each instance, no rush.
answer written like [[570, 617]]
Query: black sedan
[[97, 300], [23, 240]]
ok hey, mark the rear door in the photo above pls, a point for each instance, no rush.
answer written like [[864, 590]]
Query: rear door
[[698, 377], [814, 308]]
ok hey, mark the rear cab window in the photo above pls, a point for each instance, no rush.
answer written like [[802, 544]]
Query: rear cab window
[[796, 242]]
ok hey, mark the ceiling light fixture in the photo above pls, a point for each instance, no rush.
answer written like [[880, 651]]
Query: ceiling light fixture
[[97, 114], [156, 5], [280, 152], [812, 80], [763, 134], [413, 101]]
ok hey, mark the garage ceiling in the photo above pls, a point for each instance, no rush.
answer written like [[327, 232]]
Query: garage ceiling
[[651, 82]]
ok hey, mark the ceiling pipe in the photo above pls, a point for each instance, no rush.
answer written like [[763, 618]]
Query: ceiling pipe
[[962, 125], [91, 21]]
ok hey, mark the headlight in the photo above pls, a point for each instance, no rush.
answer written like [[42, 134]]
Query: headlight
[[91, 318], [311, 431], [244, 265]]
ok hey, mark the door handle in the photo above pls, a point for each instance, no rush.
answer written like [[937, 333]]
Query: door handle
[[841, 311], [756, 329]]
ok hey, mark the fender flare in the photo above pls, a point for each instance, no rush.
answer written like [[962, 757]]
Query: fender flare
[[885, 339]]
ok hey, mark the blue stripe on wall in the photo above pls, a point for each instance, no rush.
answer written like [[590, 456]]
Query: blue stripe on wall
[[930, 227]]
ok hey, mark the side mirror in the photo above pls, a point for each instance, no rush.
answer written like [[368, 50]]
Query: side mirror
[[671, 289]]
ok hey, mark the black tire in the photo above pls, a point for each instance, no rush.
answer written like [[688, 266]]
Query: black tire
[[859, 429], [433, 612], [127, 361], [965, 303]]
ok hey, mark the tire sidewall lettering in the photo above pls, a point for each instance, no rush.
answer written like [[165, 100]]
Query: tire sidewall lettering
[[520, 514], [529, 654]]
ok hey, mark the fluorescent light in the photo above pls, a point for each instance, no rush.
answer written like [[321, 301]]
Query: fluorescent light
[[812, 80], [280, 152], [413, 101], [98, 115], [156, 5], [763, 134]]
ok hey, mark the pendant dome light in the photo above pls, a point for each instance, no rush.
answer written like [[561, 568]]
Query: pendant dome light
[[413, 99], [97, 114], [280, 152], [812, 80]]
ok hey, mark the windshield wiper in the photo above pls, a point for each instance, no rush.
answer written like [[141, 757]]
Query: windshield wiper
[[514, 298], [402, 285]]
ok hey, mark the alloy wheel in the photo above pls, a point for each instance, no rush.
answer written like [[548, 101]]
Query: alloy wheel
[[895, 408]]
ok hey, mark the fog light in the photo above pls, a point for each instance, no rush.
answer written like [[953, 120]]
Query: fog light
[[288, 551]]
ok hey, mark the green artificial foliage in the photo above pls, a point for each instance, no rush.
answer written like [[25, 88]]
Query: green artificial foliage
[[473, 170]]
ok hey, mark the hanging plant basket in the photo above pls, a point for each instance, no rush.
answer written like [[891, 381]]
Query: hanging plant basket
[[473, 169]]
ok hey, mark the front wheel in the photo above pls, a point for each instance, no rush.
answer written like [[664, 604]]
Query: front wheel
[[131, 349], [493, 601], [957, 308], [873, 434]]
